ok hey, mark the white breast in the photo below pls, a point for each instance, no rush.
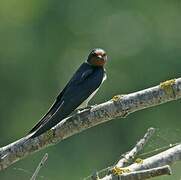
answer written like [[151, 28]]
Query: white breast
[[104, 78], [85, 103]]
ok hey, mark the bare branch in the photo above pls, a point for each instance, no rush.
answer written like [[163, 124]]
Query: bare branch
[[119, 106], [142, 174], [95, 176], [167, 157], [153, 166], [138, 147], [129, 172], [40, 165]]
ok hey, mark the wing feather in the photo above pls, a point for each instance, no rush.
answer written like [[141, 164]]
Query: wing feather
[[77, 78]]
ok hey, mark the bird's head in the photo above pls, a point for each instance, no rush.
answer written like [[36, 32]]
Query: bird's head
[[97, 57]]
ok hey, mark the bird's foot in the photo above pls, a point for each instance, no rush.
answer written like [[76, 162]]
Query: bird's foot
[[87, 108]]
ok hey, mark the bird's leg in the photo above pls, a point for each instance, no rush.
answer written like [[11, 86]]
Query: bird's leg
[[86, 108], [89, 107], [77, 111]]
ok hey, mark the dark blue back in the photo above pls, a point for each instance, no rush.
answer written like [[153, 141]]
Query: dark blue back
[[83, 83]]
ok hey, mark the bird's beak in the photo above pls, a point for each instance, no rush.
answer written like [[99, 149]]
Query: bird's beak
[[99, 56]]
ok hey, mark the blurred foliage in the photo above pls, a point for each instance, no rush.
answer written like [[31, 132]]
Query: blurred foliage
[[43, 42]]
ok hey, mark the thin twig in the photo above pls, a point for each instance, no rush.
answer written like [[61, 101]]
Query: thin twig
[[95, 176], [167, 157], [138, 147], [145, 168], [129, 172], [40, 165]]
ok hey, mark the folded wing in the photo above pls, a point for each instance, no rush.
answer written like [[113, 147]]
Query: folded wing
[[83, 83]]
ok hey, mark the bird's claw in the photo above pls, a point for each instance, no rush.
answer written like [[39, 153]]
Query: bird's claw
[[90, 107], [87, 108]]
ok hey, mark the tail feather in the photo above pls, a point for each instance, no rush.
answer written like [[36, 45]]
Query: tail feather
[[39, 124]]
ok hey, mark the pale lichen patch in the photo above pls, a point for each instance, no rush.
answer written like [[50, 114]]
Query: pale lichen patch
[[139, 161], [167, 87], [117, 98], [118, 171]]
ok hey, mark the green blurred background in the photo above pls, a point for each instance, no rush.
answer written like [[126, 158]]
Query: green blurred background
[[43, 42]]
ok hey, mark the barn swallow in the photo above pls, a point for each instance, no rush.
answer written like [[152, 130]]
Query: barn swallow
[[77, 93]]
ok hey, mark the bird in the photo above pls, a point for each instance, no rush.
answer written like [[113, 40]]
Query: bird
[[83, 85]]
